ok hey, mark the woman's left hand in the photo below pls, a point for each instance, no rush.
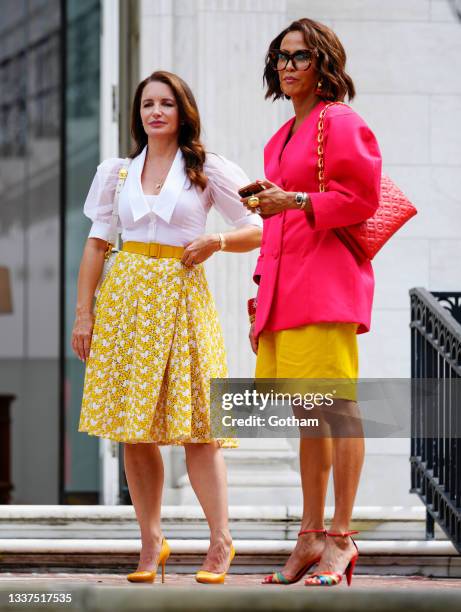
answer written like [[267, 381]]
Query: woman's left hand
[[272, 199], [200, 249]]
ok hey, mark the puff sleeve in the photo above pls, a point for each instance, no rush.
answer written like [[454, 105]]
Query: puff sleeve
[[225, 179], [352, 174], [100, 199]]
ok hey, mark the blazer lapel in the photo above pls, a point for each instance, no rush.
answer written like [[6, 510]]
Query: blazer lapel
[[273, 153]]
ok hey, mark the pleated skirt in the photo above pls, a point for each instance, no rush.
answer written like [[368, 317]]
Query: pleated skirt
[[156, 344]]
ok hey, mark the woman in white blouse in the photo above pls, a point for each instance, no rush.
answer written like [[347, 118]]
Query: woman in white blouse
[[154, 340]]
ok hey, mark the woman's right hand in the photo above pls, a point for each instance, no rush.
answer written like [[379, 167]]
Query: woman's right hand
[[81, 335], [253, 340]]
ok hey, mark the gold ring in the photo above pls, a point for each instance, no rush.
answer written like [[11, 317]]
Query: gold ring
[[253, 202]]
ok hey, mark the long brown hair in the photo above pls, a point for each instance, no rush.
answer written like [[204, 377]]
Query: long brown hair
[[330, 62], [189, 124]]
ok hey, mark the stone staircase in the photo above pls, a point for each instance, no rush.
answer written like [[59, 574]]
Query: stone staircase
[[106, 538]]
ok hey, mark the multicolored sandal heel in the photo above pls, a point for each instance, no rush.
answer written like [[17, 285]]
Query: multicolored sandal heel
[[334, 578], [280, 578]]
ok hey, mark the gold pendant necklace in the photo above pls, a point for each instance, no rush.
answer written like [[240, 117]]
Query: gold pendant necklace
[[160, 183]]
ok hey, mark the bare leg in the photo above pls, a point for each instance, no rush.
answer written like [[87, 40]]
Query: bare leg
[[207, 474], [315, 464], [144, 475], [348, 456]]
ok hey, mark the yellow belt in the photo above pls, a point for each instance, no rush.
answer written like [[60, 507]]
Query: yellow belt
[[153, 249]]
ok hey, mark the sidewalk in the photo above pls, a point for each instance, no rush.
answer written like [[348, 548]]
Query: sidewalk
[[241, 592], [8, 579]]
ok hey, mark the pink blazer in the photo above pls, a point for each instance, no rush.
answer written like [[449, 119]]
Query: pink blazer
[[304, 271]]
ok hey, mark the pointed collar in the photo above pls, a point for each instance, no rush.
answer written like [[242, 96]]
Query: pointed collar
[[165, 201]]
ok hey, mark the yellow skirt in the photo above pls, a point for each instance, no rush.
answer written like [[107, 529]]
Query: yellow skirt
[[156, 343], [316, 351]]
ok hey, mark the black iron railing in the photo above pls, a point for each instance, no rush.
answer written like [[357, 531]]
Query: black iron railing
[[436, 408]]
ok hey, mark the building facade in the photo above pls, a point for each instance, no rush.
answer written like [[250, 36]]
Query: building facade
[[71, 68]]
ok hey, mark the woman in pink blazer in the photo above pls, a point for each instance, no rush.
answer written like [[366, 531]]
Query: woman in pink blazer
[[314, 297]]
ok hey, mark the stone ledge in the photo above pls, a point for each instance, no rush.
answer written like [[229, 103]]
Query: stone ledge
[[191, 547], [94, 512], [193, 597], [382, 558], [184, 522]]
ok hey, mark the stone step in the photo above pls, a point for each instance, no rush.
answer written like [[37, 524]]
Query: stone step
[[183, 522], [106, 538], [378, 557]]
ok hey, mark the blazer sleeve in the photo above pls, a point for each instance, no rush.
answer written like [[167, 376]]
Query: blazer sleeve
[[100, 199], [225, 179], [352, 174]]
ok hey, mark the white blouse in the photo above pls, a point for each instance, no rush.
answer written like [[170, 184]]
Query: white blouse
[[177, 215]]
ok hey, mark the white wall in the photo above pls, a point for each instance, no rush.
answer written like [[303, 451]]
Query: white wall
[[218, 47]]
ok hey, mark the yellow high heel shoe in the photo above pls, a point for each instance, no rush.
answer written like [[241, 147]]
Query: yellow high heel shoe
[[212, 578], [146, 576]]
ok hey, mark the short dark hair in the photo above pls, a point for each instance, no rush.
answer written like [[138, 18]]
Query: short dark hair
[[330, 61]]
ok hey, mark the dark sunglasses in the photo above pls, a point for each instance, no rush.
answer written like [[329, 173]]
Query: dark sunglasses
[[301, 60]]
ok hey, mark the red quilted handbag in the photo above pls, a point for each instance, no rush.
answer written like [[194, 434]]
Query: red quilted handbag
[[365, 239]]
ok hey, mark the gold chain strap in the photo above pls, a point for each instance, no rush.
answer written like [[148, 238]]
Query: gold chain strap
[[122, 174], [320, 149]]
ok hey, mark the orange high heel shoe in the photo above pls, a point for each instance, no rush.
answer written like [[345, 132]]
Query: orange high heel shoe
[[211, 577], [146, 576], [334, 578], [279, 578]]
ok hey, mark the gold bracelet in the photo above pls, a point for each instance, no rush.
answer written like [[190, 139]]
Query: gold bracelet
[[222, 241]]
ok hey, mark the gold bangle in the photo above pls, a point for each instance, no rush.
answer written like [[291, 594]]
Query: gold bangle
[[306, 202], [222, 241]]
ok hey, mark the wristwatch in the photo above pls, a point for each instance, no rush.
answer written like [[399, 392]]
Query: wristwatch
[[301, 200]]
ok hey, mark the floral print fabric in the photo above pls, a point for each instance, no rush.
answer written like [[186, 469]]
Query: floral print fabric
[[156, 343]]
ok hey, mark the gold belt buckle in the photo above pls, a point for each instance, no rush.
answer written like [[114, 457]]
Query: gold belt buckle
[[154, 250]]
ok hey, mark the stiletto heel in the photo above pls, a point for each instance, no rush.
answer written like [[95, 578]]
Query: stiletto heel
[[350, 570], [146, 576], [211, 577], [279, 578], [334, 578]]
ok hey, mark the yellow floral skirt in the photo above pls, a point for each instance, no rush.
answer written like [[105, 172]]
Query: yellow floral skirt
[[156, 344]]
